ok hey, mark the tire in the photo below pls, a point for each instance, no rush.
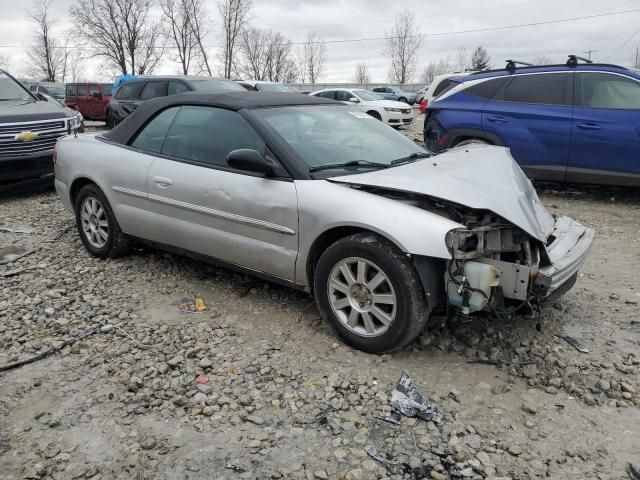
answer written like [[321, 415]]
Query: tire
[[402, 99], [375, 115], [103, 240], [343, 301], [471, 141]]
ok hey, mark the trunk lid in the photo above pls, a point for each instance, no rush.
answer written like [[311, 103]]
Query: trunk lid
[[479, 177]]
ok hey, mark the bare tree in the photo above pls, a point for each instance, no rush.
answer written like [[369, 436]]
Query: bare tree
[[4, 60], [462, 59], [198, 19], [266, 55], [403, 42], [542, 60], [361, 74], [45, 53], [123, 32], [178, 29], [480, 60], [314, 54], [433, 69], [183, 20], [234, 13]]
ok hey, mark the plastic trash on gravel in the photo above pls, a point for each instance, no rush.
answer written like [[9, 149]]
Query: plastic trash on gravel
[[407, 400]]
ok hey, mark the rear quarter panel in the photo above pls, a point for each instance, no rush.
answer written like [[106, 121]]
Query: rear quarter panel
[[452, 116], [107, 165]]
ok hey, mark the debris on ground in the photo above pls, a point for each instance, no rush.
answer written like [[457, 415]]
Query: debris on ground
[[574, 343], [373, 453], [407, 400], [192, 305], [633, 472]]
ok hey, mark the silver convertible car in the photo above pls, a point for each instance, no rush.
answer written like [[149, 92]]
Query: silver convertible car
[[313, 194]]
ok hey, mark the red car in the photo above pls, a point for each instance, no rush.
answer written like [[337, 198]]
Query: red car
[[90, 99]]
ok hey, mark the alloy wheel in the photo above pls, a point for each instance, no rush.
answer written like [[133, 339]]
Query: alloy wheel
[[362, 296], [94, 222]]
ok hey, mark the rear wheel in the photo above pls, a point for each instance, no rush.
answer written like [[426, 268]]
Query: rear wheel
[[369, 292], [403, 100], [97, 225]]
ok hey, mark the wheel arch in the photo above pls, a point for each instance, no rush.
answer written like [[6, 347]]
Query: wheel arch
[[77, 185], [328, 238], [458, 135]]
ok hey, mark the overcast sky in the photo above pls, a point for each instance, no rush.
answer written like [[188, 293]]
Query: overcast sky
[[357, 19]]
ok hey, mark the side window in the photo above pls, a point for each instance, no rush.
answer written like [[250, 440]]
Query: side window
[[71, 91], [94, 90], [82, 90], [153, 134], [207, 135], [441, 87], [547, 89], [343, 95], [486, 89], [125, 92], [327, 94], [153, 90], [177, 87], [603, 90]]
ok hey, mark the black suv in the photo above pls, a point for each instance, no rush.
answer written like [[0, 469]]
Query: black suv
[[137, 90], [29, 129]]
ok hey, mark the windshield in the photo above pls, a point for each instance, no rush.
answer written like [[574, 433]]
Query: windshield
[[274, 87], [322, 135], [366, 95], [216, 86], [11, 90], [56, 91]]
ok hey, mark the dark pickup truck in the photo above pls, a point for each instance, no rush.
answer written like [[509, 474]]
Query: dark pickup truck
[[29, 129]]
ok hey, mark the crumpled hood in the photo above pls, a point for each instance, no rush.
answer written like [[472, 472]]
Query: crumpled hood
[[477, 176]]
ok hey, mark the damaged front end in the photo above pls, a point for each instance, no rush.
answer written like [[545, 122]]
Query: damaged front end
[[497, 267]]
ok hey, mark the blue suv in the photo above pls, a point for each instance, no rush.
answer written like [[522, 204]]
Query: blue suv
[[578, 122]]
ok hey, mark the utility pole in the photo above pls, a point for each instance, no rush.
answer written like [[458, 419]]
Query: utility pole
[[636, 64], [589, 52]]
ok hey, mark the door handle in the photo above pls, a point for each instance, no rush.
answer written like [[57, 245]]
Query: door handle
[[496, 119], [588, 126], [162, 181]]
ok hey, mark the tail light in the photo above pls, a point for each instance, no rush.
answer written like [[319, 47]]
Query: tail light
[[423, 105], [54, 155]]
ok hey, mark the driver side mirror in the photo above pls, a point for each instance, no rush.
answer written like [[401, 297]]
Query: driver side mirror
[[96, 94], [249, 160], [354, 100]]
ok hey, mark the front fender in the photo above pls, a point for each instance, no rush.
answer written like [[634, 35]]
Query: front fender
[[324, 206]]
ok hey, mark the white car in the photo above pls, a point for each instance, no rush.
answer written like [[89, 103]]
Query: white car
[[390, 112], [439, 84]]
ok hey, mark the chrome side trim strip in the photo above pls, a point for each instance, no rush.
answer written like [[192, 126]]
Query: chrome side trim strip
[[208, 211]]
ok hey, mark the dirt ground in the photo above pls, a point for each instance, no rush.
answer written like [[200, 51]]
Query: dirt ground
[[282, 397]]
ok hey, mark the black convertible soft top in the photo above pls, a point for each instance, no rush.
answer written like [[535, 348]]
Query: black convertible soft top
[[230, 100]]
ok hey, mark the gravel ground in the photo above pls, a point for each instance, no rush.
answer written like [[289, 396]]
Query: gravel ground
[[256, 386]]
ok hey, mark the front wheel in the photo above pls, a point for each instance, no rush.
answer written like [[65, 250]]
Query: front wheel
[[369, 292]]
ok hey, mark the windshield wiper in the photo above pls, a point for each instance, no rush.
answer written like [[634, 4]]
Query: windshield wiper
[[410, 158], [352, 163]]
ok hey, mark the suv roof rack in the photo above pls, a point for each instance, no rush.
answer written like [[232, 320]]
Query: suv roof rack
[[573, 60], [511, 64]]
